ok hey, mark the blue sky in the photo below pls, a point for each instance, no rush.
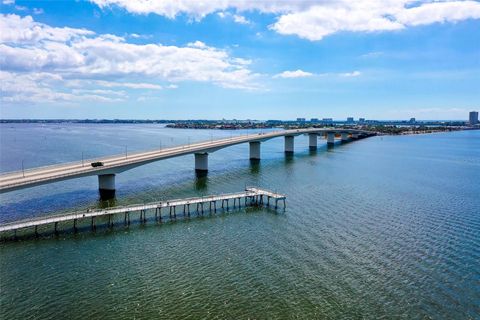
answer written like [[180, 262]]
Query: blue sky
[[184, 59]]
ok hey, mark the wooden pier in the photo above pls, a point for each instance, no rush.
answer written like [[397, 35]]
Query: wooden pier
[[252, 196]]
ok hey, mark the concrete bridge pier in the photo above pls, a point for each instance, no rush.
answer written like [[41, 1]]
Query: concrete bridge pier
[[312, 141], [289, 146], [255, 150], [330, 138], [201, 162], [344, 136], [106, 186]]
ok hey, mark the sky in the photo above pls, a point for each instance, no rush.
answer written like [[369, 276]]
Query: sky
[[239, 59]]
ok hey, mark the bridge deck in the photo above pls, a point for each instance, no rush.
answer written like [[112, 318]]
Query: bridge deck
[[35, 222], [115, 164]]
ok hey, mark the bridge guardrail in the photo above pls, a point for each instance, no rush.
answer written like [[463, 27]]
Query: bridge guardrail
[[196, 146]]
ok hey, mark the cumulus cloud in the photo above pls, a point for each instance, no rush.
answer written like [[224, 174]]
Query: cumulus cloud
[[29, 48], [369, 16], [294, 74], [19, 31], [313, 20], [43, 88], [440, 12], [200, 9]]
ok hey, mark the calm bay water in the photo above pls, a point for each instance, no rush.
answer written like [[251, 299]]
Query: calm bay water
[[383, 227]]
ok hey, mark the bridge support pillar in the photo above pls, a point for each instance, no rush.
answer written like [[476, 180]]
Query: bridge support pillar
[[355, 135], [330, 138], [201, 162], [255, 150], [289, 144], [312, 141], [106, 186], [344, 136]]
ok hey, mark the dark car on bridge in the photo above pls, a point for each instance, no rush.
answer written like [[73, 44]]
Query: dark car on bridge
[[97, 164]]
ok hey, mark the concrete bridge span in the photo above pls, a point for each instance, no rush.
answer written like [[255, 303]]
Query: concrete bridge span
[[116, 164]]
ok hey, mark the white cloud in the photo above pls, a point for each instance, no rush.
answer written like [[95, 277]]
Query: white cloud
[[28, 48], [130, 85], [303, 74], [293, 74], [41, 88], [197, 44], [8, 2], [21, 8], [369, 16], [200, 9], [240, 19], [38, 11], [440, 12], [100, 92], [138, 36], [235, 17], [315, 19], [351, 74], [19, 30], [322, 20]]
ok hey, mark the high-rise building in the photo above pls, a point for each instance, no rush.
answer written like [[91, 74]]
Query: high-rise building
[[473, 118], [412, 120], [361, 120], [300, 119], [314, 120], [350, 120]]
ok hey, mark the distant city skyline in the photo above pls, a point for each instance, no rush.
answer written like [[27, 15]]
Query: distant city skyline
[[119, 59]]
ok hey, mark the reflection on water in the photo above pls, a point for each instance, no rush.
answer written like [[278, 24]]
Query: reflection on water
[[102, 203], [289, 158], [201, 180], [255, 166]]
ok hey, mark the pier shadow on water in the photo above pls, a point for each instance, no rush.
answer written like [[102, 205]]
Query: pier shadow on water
[[201, 180], [105, 227], [289, 158], [106, 203], [255, 166]]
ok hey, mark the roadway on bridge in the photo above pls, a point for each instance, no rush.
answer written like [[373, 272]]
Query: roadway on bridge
[[118, 163]]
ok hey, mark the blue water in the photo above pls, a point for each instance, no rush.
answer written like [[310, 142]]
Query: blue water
[[382, 227]]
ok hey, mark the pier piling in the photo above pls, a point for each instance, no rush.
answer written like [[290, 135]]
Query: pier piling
[[252, 197]]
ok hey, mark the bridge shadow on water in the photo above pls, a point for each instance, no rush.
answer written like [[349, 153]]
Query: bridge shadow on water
[[255, 166], [106, 228], [104, 204], [201, 180]]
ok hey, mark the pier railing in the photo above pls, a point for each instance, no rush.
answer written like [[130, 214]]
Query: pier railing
[[252, 196]]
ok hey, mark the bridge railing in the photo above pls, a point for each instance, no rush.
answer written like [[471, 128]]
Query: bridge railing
[[87, 161]]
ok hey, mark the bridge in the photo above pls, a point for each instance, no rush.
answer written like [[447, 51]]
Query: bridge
[[110, 166]]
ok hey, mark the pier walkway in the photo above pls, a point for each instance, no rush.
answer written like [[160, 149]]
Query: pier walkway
[[251, 196]]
